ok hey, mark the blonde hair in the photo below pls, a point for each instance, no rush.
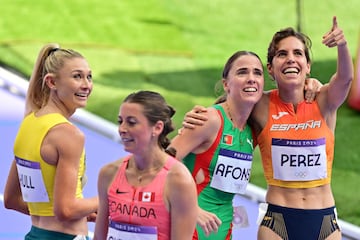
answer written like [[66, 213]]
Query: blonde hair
[[50, 59]]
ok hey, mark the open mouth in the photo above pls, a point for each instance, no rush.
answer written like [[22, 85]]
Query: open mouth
[[291, 70], [250, 89], [81, 94], [124, 140]]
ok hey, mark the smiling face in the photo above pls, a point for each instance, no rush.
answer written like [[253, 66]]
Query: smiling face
[[72, 84], [289, 64], [135, 131], [245, 79], [144, 111]]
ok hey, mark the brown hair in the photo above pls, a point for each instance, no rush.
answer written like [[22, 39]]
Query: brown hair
[[284, 33], [155, 109], [227, 67]]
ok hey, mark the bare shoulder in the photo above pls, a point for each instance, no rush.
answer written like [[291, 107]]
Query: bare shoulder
[[213, 123], [66, 131], [328, 110], [263, 101], [212, 114], [266, 96], [63, 143], [259, 114], [108, 171], [179, 175], [194, 139], [180, 189], [322, 95]]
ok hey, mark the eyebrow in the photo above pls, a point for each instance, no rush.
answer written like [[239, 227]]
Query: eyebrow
[[283, 50], [81, 71], [242, 68], [247, 68]]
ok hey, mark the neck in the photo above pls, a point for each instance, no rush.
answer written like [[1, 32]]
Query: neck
[[238, 115], [54, 107], [149, 160], [292, 93], [144, 168]]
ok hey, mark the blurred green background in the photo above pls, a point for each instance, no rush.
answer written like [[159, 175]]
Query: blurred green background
[[178, 48]]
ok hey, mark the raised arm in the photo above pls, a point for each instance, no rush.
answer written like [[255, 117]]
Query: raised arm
[[335, 92]]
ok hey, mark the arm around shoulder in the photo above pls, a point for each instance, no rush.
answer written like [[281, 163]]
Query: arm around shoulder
[[259, 114], [198, 138]]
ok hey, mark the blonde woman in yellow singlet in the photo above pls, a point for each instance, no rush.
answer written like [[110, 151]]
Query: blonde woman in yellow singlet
[[48, 171]]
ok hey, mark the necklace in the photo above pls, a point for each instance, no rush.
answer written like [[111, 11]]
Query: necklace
[[143, 173], [232, 122], [228, 110], [230, 116]]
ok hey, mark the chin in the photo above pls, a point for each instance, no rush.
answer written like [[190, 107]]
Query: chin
[[253, 99], [127, 147], [129, 150], [82, 105]]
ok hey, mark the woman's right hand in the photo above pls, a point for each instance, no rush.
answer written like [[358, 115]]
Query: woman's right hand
[[312, 88], [208, 221], [195, 117]]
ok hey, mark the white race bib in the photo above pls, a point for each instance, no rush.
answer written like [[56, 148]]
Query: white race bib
[[122, 231], [232, 171], [299, 160], [31, 181]]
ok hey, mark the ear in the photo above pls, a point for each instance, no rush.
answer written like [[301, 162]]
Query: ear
[[309, 69], [225, 85], [50, 80], [158, 128], [270, 71]]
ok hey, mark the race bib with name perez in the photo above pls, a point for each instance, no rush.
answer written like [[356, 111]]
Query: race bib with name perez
[[299, 160]]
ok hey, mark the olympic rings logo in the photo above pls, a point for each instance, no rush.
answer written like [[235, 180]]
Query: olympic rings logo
[[301, 174]]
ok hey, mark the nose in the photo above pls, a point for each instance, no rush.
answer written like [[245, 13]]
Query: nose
[[87, 84], [252, 77], [291, 58], [251, 80], [121, 128]]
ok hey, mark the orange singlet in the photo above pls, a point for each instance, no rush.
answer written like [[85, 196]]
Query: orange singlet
[[297, 148]]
